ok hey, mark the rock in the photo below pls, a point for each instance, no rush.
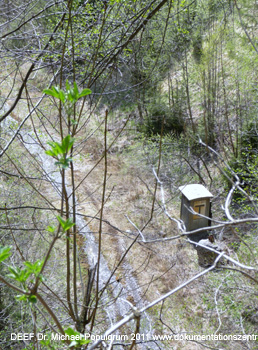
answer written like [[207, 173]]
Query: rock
[[207, 257], [162, 234]]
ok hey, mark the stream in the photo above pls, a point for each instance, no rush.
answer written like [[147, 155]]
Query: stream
[[114, 309]]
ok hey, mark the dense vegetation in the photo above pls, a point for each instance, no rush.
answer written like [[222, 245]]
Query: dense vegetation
[[106, 108]]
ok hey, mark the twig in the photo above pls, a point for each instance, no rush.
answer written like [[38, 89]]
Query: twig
[[139, 231], [180, 224]]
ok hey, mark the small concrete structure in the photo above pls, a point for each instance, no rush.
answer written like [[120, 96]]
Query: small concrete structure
[[197, 197]]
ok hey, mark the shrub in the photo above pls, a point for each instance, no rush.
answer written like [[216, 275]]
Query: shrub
[[160, 113]]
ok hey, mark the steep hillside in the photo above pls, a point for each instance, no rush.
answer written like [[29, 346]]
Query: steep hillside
[[107, 108]]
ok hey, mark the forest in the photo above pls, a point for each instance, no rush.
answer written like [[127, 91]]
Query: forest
[[128, 174]]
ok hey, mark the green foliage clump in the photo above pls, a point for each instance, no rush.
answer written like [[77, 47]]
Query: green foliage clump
[[59, 151], [245, 166], [163, 118]]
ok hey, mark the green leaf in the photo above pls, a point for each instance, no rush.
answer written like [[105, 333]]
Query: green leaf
[[66, 224], [62, 95], [77, 342], [34, 268], [64, 162], [15, 272], [71, 94], [22, 297], [51, 93], [74, 122], [63, 148], [18, 274], [84, 92], [57, 147], [32, 299], [69, 331], [51, 153], [55, 92], [75, 89], [47, 341], [4, 253], [67, 85], [67, 143], [51, 228], [41, 278]]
